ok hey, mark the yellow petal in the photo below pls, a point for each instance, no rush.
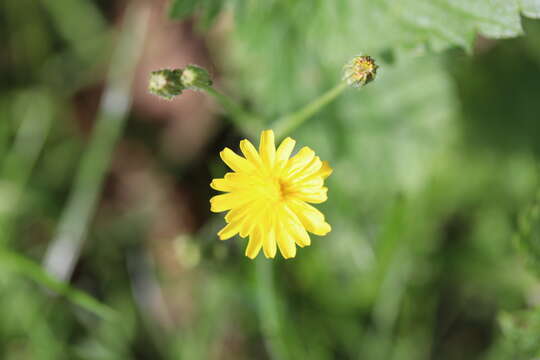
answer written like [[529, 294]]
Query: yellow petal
[[321, 174], [267, 148], [228, 231], [239, 212], [254, 244], [311, 183], [269, 242], [311, 195], [248, 224], [228, 201], [308, 171], [299, 161], [311, 218], [240, 180], [223, 185], [283, 153], [296, 229], [235, 162], [325, 170], [250, 152], [285, 242], [285, 149], [300, 236], [249, 215]]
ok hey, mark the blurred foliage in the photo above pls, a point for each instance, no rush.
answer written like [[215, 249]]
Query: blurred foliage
[[528, 234], [435, 182], [328, 33], [520, 336], [378, 24]]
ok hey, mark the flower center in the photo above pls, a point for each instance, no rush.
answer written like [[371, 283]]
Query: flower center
[[276, 190]]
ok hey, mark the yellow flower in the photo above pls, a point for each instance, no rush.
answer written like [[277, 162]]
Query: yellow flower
[[267, 196]]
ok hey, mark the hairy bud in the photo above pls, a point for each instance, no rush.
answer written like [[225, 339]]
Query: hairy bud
[[360, 71], [166, 83], [195, 77]]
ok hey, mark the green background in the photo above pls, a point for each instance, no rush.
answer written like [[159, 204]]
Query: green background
[[434, 200]]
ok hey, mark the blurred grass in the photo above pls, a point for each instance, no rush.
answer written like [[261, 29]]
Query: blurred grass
[[19, 265], [66, 246], [434, 163]]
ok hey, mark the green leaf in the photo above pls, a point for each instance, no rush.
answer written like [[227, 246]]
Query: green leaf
[[211, 9], [207, 10], [376, 24], [530, 8], [181, 9]]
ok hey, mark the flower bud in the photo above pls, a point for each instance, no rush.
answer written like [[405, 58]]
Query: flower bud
[[360, 71], [195, 77], [166, 83]]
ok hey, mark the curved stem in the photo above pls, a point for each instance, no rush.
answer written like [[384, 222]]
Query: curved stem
[[248, 123], [288, 123]]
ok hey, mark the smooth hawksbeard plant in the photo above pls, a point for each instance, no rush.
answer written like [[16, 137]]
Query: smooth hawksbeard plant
[[268, 193], [267, 196]]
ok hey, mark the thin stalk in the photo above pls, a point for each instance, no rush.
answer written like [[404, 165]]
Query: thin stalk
[[65, 249], [269, 312], [247, 123], [20, 161], [288, 123], [20, 264]]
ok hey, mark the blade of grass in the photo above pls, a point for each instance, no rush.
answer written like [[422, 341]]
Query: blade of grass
[[64, 251], [21, 265], [21, 159]]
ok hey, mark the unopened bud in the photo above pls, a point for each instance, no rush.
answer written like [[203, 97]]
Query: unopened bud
[[360, 71], [195, 77], [166, 83]]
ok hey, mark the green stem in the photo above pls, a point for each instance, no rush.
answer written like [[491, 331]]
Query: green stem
[[20, 264], [268, 311], [288, 123], [247, 123]]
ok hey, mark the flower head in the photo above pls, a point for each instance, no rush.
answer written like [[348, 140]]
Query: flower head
[[166, 83], [195, 77], [267, 196], [360, 71]]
